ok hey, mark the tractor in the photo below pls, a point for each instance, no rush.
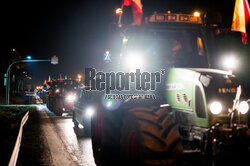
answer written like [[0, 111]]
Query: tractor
[[164, 99], [62, 95]]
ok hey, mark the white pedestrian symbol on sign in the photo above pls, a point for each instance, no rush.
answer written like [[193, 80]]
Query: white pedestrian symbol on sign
[[107, 57]]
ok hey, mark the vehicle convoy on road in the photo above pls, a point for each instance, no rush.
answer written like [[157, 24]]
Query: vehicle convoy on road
[[192, 108], [62, 94]]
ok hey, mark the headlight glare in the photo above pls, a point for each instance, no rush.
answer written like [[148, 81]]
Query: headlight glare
[[134, 61], [230, 62], [111, 105], [243, 107], [90, 111], [216, 107], [71, 98]]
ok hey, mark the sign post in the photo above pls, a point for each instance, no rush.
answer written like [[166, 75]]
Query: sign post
[[53, 60]]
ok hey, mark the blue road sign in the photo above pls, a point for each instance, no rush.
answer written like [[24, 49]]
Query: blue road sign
[[107, 58]]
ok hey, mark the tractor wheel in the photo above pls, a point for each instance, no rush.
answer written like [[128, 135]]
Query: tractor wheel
[[110, 138], [149, 136], [96, 135], [87, 127], [105, 138], [48, 103], [76, 123], [52, 104], [78, 131], [58, 112], [58, 107]]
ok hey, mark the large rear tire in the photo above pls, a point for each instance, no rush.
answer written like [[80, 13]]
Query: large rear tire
[[141, 135], [79, 132], [149, 136], [105, 133], [58, 106], [49, 103], [76, 123]]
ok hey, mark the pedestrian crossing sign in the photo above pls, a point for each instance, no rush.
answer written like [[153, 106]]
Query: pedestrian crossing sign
[[107, 57]]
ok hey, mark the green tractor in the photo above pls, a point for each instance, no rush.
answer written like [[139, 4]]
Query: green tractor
[[192, 108], [209, 108]]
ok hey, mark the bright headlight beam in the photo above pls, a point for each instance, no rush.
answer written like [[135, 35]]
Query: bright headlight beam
[[243, 107], [230, 62], [109, 103], [90, 111], [134, 61], [216, 107], [196, 14], [71, 98]]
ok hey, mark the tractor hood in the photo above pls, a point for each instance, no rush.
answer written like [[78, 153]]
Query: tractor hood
[[205, 94]]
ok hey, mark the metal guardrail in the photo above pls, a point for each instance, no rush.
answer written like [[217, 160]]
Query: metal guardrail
[[15, 152]]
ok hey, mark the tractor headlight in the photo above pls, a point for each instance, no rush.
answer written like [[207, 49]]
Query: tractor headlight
[[243, 107], [134, 61], [89, 111], [71, 98], [230, 62], [111, 105], [216, 107]]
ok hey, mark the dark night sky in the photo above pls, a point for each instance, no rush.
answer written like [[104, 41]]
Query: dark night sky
[[75, 30]]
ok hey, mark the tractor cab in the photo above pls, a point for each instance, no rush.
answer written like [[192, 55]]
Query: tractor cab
[[165, 40]]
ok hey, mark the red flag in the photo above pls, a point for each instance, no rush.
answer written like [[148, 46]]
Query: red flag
[[60, 79], [136, 9], [49, 79], [127, 2], [240, 18]]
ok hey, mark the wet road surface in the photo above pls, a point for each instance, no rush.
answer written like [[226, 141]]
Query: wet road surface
[[79, 148]]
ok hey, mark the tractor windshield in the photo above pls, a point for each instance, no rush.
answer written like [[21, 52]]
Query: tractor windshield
[[168, 48]]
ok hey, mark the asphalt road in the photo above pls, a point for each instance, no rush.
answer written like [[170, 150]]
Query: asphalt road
[[80, 149]]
